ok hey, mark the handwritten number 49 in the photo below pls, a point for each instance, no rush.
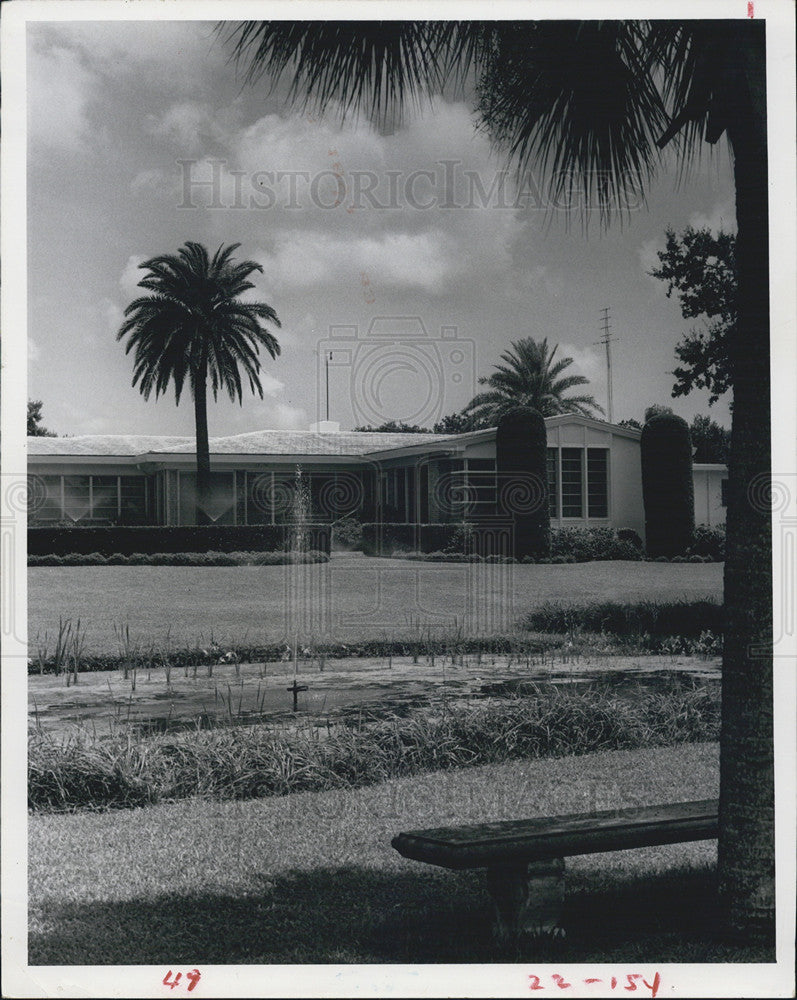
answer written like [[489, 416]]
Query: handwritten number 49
[[172, 979]]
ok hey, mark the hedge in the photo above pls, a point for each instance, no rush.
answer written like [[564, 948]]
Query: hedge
[[190, 538], [667, 485], [521, 455], [180, 559]]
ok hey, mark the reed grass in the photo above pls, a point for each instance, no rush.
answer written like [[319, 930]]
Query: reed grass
[[234, 762]]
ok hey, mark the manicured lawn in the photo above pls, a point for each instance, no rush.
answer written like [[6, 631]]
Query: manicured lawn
[[348, 597], [311, 877]]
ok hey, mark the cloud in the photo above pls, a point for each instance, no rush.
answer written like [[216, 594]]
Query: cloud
[[590, 363], [59, 90], [193, 126], [130, 277], [283, 416], [721, 217], [305, 260], [33, 353], [113, 316], [178, 55], [147, 181]]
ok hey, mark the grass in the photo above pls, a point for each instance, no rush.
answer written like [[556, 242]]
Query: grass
[[311, 878], [359, 597], [234, 762]]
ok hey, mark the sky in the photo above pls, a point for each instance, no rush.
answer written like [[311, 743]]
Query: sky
[[408, 253]]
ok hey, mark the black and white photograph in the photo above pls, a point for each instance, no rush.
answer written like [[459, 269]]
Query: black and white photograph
[[399, 499]]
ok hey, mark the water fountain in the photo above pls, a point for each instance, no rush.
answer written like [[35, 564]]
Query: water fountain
[[296, 594]]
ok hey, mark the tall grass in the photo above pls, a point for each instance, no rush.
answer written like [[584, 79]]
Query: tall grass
[[239, 763]]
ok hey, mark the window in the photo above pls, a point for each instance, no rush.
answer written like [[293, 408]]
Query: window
[[77, 497], [132, 499], [553, 489], [44, 498], [219, 507], [481, 482], [597, 482], [572, 482], [105, 497]]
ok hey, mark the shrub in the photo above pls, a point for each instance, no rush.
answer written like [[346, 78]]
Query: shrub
[[348, 532], [708, 542], [181, 559], [192, 538], [667, 485], [586, 544], [667, 618], [521, 458], [629, 535]]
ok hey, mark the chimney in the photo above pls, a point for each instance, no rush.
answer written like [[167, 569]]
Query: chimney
[[325, 427]]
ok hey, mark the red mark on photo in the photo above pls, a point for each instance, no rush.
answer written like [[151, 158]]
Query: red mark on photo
[[536, 984], [172, 979], [368, 294], [750, 9]]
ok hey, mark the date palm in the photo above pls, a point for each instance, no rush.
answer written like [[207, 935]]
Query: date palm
[[529, 377], [192, 328], [592, 104]]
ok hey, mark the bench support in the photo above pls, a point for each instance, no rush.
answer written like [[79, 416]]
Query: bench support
[[528, 898]]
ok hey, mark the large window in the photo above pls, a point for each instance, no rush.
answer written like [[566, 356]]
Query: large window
[[88, 499], [219, 505], [584, 487], [572, 482], [597, 482]]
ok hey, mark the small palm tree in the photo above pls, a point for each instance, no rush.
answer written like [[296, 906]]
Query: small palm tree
[[529, 377], [194, 326]]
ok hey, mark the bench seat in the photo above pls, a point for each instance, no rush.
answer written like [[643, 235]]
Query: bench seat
[[525, 858], [484, 845]]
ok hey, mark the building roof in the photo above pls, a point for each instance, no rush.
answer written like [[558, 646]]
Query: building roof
[[270, 442], [355, 444]]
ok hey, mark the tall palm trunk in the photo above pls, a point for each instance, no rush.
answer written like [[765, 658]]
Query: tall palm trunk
[[746, 839], [202, 444]]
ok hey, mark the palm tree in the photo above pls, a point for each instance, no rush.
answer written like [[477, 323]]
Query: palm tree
[[592, 104], [529, 377], [194, 326]]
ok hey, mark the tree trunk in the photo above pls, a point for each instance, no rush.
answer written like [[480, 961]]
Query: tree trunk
[[202, 445], [746, 839]]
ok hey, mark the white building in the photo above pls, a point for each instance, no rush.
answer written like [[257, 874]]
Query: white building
[[594, 475]]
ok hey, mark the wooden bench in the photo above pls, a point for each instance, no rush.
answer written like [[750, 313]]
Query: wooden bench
[[525, 858]]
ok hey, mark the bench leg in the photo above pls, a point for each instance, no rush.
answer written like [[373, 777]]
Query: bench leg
[[528, 898]]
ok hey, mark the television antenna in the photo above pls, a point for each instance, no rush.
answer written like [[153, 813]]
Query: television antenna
[[607, 340]]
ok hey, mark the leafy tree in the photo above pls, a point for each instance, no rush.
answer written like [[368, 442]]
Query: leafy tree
[[395, 427], [592, 103], [630, 423], [453, 423], [701, 269], [35, 428], [712, 442], [657, 410], [194, 327], [459, 423], [529, 377]]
